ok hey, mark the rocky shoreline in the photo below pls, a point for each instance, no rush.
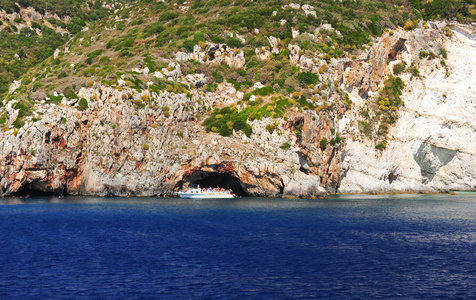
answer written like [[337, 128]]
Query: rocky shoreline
[[120, 147]]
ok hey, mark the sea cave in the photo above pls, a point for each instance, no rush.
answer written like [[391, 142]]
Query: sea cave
[[213, 179]]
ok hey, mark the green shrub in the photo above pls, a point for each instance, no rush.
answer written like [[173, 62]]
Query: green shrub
[[428, 55], [366, 127], [285, 146], [188, 45], [217, 76], [3, 119], [271, 127], [110, 44], [62, 75], [217, 40], [323, 143], [234, 42], [69, 93], [125, 53], [94, 53], [168, 15], [445, 9], [264, 91], [219, 121], [24, 109], [166, 111], [83, 104], [338, 139], [241, 72], [151, 29], [398, 68], [54, 99], [145, 147], [413, 70], [443, 53], [307, 78], [380, 146]]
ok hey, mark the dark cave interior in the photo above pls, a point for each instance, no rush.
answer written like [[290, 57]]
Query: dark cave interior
[[212, 179], [34, 189]]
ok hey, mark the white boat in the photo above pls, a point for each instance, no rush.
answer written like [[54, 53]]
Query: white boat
[[196, 193]]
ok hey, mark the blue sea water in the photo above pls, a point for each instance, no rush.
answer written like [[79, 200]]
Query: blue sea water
[[352, 247]]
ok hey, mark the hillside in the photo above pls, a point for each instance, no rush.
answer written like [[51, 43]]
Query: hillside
[[268, 97]]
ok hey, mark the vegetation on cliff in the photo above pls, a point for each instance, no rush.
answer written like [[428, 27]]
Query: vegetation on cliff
[[123, 38]]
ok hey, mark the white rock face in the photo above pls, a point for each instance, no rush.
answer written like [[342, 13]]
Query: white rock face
[[434, 141], [14, 86], [57, 52], [196, 80]]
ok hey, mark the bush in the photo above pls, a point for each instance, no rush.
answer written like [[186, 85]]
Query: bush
[[225, 120], [307, 78], [69, 93], [264, 91], [413, 70], [139, 103], [166, 111], [380, 146], [168, 15], [83, 104], [423, 54], [188, 45], [285, 146], [62, 75], [398, 68], [234, 42], [443, 53], [445, 9], [145, 147], [323, 143], [408, 25], [94, 54], [217, 76], [145, 98], [271, 127], [149, 30]]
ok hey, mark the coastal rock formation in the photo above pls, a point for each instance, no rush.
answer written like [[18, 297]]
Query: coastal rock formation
[[432, 144], [114, 148], [125, 142]]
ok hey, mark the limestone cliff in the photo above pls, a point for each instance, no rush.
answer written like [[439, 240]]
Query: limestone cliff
[[432, 145], [115, 148], [148, 143]]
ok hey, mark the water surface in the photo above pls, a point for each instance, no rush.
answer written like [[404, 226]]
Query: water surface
[[352, 247]]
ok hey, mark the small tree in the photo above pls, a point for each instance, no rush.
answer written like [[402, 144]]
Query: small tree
[[323, 143]]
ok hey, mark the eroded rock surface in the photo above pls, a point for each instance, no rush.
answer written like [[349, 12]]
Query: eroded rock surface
[[144, 144]]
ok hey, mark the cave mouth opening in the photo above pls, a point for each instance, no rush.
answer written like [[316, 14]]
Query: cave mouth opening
[[36, 189], [213, 179]]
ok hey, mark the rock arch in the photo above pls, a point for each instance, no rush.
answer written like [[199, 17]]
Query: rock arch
[[208, 179]]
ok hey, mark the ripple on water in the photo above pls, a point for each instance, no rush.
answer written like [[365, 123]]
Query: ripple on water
[[344, 247]]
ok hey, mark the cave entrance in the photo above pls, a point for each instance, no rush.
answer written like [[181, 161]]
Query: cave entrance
[[36, 189], [212, 179]]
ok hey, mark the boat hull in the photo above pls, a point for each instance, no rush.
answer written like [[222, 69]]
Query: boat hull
[[186, 195]]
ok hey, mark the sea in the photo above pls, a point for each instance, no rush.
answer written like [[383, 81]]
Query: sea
[[343, 247]]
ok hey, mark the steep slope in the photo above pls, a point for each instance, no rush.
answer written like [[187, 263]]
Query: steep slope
[[433, 141], [143, 103]]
